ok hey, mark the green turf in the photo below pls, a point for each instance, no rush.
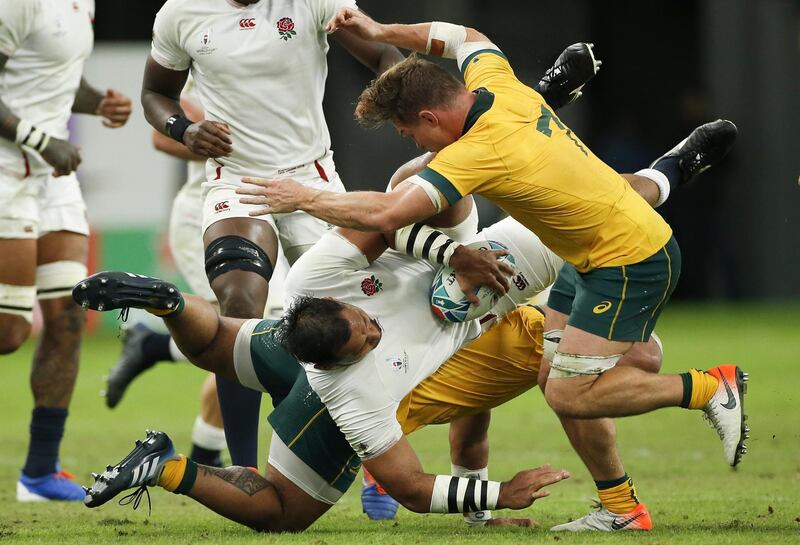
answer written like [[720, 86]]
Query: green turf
[[675, 458]]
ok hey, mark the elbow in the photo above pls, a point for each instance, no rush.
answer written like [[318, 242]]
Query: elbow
[[385, 222]]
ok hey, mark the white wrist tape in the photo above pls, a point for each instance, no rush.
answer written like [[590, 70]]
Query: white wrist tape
[[473, 518], [452, 36], [459, 495], [30, 136], [425, 242], [660, 179]]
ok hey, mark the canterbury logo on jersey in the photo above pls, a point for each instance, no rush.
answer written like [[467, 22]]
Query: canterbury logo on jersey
[[221, 206], [246, 24], [145, 472], [602, 307]]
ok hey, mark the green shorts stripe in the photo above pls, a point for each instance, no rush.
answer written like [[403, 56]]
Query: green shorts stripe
[[618, 303]]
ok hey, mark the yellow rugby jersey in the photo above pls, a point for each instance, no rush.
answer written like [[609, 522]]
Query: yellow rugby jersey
[[518, 154]]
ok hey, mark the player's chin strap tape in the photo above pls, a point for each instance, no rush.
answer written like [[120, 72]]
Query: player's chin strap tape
[[460, 495], [551, 340], [570, 365], [425, 242], [444, 39], [231, 253]]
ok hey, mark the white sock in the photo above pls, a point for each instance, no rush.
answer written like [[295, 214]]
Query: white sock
[[658, 178], [207, 436], [478, 518], [175, 352]]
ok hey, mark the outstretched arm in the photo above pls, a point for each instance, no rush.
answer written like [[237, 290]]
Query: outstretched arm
[[362, 210], [437, 39], [399, 471]]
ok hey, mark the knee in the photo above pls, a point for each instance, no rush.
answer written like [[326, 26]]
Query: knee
[[645, 356], [16, 330], [563, 401]]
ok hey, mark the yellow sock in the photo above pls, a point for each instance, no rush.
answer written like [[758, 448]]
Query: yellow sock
[[172, 474], [618, 496], [704, 385]]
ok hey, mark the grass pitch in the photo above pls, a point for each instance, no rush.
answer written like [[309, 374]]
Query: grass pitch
[[675, 459]]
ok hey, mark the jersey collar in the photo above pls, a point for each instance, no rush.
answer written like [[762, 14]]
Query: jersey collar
[[482, 104]]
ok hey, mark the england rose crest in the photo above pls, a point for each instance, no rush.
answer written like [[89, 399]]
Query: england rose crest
[[370, 286], [286, 28]]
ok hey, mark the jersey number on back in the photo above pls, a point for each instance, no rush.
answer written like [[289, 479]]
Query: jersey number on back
[[543, 126]]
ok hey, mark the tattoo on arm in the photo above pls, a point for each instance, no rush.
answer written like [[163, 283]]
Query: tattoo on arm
[[87, 99], [244, 479]]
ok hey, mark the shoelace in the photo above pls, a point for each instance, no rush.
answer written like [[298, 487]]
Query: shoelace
[[123, 317], [135, 497], [709, 417]]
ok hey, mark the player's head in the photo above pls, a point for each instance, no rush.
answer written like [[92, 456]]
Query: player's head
[[419, 97], [327, 332]]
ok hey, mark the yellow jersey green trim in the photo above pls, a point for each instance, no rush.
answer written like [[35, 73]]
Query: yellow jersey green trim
[[472, 56], [483, 102], [442, 184]]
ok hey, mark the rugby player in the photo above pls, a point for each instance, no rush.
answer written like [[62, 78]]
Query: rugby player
[[234, 350], [260, 70], [496, 137], [43, 227]]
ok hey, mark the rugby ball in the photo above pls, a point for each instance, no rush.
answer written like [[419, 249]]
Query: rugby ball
[[449, 303]]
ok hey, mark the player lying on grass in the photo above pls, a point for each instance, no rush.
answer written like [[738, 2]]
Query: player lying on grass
[[494, 136], [472, 391]]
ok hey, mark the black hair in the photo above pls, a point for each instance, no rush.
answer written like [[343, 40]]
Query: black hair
[[313, 331]]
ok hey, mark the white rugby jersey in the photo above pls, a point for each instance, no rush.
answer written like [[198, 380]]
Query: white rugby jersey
[[47, 43], [195, 170], [260, 68], [363, 397]]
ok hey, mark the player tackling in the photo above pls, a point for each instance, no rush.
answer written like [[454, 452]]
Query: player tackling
[[496, 137]]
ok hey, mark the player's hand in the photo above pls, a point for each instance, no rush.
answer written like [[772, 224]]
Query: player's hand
[[357, 22], [116, 108], [62, 156], [208, 139], [276, 196], [526, 487], [476, 268]]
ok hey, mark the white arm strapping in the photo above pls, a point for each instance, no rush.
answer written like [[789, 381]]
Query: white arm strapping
[[459, 495], [433, 194], [425, 242], [453, 36]]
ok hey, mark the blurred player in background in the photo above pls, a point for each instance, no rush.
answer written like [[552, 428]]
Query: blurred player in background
[[260, 70], [43, 227]]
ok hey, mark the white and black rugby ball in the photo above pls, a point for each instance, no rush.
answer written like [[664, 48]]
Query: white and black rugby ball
[[449, 303]]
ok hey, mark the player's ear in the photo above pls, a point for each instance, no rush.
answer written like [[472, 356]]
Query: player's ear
[[429, 118]]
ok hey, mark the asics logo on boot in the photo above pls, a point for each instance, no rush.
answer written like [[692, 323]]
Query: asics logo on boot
[[617, 525], [731, 403]]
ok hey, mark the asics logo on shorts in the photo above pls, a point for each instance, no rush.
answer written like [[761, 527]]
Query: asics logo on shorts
[[246, 24], [602, 307], [144, 472]]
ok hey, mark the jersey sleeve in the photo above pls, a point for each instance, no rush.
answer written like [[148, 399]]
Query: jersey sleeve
[[16, 22], [357, 402], [482, 64], [324, 10], [462, 168], [166, 48]]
